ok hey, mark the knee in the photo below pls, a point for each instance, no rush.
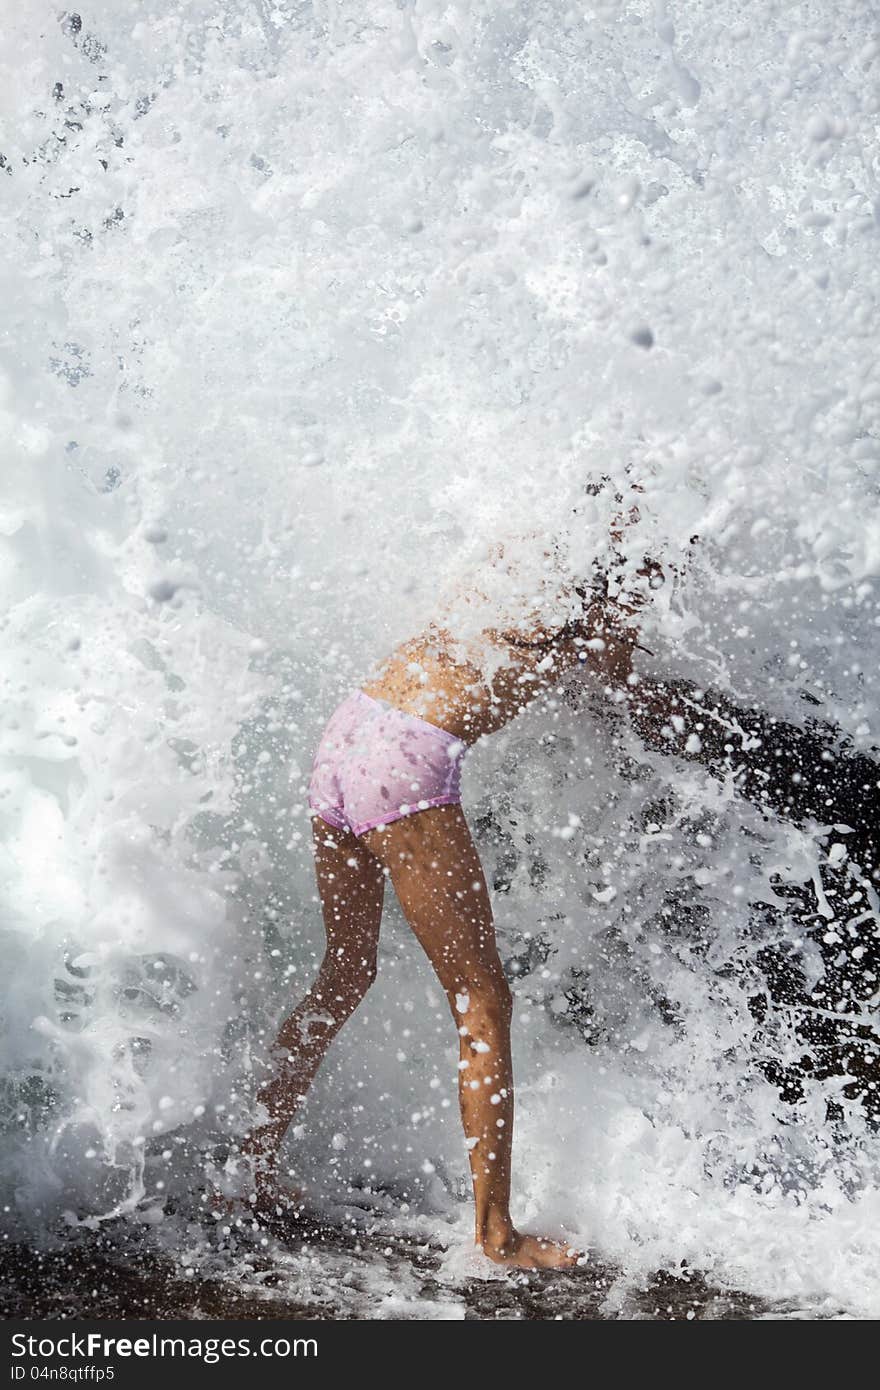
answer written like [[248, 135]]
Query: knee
[[343, 981]]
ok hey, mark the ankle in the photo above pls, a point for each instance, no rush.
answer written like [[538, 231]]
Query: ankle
[[496, 1230], [254, 1159]]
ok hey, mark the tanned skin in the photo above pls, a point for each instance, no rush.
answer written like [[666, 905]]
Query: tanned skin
[[430, 859]]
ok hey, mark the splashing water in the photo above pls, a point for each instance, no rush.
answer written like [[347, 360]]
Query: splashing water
[[305, 306]]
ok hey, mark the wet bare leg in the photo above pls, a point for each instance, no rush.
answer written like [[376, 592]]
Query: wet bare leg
[[439, 881], [351, 883]]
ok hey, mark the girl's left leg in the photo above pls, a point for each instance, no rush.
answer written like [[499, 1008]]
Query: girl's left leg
[[438, 878]]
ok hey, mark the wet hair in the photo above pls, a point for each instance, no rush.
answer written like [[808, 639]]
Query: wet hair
[[590, 589], [589, 592]]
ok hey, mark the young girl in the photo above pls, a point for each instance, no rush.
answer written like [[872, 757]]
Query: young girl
[[385, 796]]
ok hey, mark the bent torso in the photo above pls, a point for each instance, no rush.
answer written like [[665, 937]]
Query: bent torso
[[470, 693]]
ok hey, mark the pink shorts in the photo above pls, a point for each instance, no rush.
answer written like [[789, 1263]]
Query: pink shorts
[[375, 764]]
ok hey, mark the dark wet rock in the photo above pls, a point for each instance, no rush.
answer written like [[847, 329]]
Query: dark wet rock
[[120, 1273]]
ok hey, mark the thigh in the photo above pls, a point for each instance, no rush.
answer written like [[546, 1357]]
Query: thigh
[[351, 884], [437, 875]]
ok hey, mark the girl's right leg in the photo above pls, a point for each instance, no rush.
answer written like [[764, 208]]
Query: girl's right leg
[[351, 883]]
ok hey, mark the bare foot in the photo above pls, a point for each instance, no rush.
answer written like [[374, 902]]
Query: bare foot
[[267, 1195], [277, 1201], [533, 1252], [252, 1188], [263, 1203]]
